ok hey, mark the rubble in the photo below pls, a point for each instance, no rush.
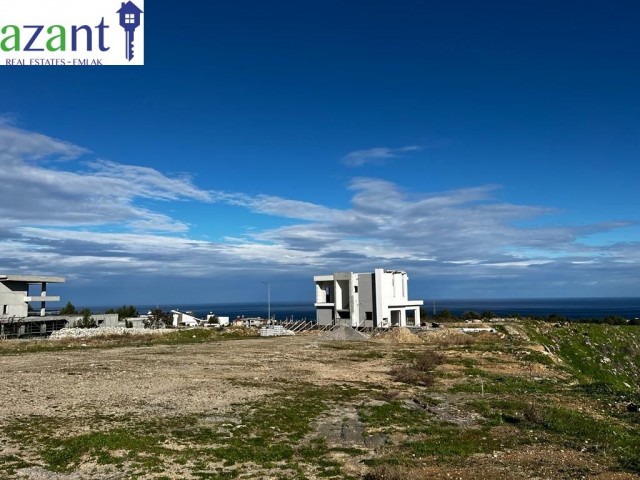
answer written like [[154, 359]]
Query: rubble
[[104, 332], [345, 333]]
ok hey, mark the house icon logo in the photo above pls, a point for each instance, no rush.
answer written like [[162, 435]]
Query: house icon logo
[[83, 33], [129, 20]]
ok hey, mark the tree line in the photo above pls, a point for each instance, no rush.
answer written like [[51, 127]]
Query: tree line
[[157, 318]]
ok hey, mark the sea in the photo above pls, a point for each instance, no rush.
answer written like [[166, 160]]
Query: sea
[[571, 308]]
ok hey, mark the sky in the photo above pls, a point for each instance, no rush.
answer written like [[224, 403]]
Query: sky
[[490, 149]]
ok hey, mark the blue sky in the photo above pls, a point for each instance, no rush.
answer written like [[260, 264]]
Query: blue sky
[[488, 148]]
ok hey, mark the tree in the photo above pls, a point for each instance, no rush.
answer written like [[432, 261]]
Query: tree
[[445, 315], [158, 319], [124, 312], [68, 309], [87, 321], [470, 315]]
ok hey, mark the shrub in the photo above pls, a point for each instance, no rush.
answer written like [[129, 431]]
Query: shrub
[[427, 361], [158, 319], [420, 371], [87, 320]]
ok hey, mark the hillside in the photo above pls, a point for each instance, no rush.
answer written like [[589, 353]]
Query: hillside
[[534, 400]]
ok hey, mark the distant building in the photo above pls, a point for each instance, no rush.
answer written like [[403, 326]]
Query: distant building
[[370, 300], [181, 319], [217, 320]]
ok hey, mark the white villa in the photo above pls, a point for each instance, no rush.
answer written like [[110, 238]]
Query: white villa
[[369, 300]]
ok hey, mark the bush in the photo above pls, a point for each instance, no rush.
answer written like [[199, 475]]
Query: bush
[[87, 321], [428, 361], [420, 371]]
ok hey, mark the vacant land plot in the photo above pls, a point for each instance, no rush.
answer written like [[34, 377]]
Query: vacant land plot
[[487, 406]]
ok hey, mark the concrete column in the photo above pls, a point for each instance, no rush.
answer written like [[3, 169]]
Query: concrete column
[[42, 303], [378, 297], [403, 317], [416, 315]]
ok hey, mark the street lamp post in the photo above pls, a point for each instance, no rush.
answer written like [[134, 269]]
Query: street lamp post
[[268, 301]]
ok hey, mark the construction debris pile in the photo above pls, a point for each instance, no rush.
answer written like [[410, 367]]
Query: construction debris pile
[[345, 333], [274, 331], [104, 332]]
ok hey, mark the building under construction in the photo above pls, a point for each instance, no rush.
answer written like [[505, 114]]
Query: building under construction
[[23, 311]]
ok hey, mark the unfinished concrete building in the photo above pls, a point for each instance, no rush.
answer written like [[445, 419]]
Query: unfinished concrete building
[[366, 300], [23, 312]]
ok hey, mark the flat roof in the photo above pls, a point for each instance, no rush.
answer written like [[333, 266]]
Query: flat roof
[[30, 278]]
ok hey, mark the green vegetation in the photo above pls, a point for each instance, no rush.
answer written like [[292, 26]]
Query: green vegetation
[[87, 320], [158, 319], [68, 309], [177, 337], [439, 405], [269, 437], [364, 356], [597, 364], [124, 312], [605, 355]]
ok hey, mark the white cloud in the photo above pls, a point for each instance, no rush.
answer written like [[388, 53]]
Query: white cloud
[[376, 155], [104, 192], [20, 145], [90, 223]]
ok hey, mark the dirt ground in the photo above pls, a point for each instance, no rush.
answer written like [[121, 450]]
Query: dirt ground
[[165, 381]]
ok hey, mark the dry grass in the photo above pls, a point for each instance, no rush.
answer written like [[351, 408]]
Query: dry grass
[[388, 472], [420, 370]]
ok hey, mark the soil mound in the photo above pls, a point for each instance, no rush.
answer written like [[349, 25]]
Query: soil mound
[[344, 333], [399, 335]]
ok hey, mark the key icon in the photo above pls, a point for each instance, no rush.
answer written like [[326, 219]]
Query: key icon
[[129, 20]]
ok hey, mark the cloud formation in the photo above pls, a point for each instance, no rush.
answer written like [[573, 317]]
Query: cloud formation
[[88, 223], [377, 156], [100, 193]]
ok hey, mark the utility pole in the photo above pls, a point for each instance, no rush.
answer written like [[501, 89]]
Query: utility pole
[[268, 301]]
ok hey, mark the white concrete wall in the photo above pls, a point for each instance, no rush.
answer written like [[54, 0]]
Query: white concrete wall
[[12, 295]]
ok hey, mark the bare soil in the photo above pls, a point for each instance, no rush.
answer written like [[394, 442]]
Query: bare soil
[[216, 378]]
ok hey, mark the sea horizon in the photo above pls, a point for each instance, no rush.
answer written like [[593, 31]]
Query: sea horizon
[[569, 307]]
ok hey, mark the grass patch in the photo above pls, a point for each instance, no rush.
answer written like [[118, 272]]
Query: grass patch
[[604, 354], [568, 428], [63, 455], [269, 433], [393, 416], [10, 464], [365, 355], [444, 442], [504, 384]]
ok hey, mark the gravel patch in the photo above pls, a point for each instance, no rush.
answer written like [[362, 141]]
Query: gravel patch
[[345, 333]]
